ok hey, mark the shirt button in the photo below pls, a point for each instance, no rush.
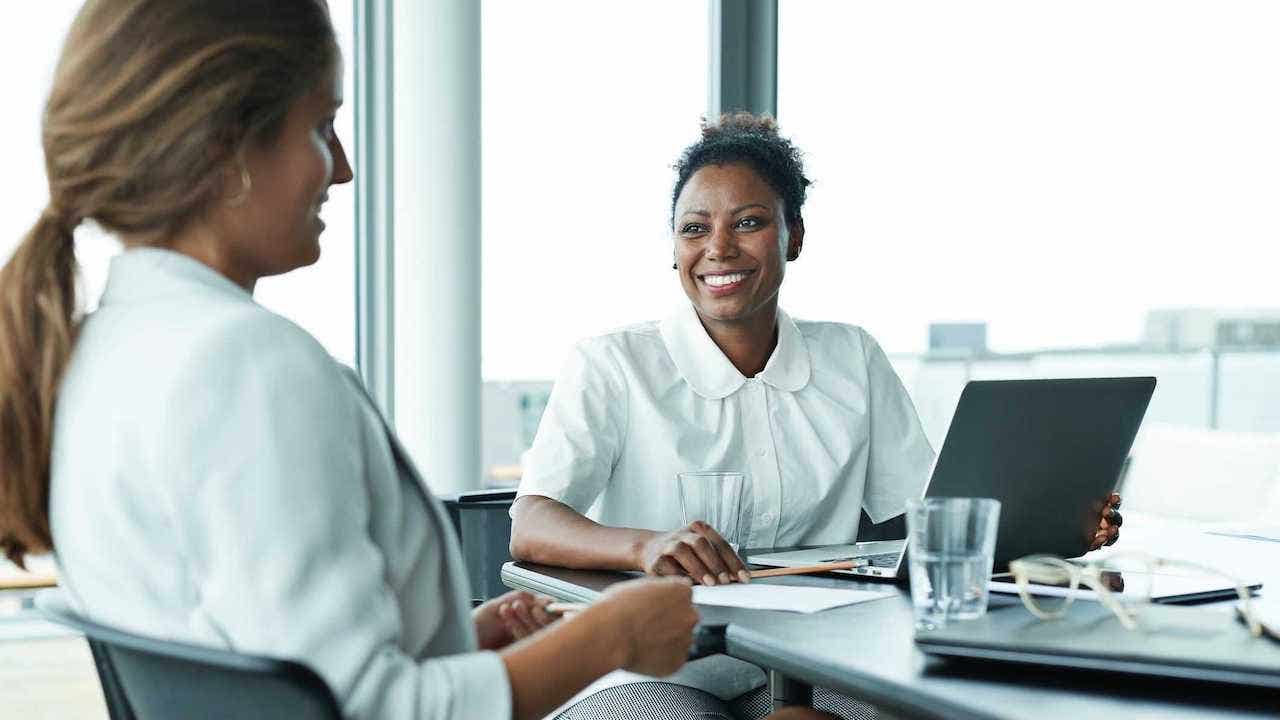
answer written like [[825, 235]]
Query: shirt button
[[761, 452], [767, 517]]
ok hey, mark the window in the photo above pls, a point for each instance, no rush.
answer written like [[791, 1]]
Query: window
[[585, 106], [320, 298], [1056, 171], [25, 190]]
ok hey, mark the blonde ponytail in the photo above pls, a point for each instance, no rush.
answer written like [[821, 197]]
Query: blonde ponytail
[[37, 332]]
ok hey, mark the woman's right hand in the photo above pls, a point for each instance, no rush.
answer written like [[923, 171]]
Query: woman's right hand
[[696, 551], [655, 619]]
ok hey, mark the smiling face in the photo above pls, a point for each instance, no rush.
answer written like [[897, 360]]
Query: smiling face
[[276, 227], [732, 242]]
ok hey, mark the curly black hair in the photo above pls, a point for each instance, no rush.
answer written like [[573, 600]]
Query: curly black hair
[[751, 140]]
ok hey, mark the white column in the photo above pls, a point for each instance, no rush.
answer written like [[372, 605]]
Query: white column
[[437, 241]]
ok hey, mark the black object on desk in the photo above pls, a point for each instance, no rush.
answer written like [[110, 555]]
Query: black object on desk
[[1181, 643]]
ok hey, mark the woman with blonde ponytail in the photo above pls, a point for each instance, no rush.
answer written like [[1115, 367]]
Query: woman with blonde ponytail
[[202, 470], [37, 328]]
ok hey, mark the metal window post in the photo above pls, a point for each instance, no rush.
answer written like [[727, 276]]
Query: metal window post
[[375, 289], [743, 72]]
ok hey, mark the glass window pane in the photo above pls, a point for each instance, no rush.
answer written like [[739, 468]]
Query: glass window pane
[[26, 191], [321, 298], [585, 107], [1054, 170]]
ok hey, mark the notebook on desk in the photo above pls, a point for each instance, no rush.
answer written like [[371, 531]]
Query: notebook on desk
[[1184, 643]]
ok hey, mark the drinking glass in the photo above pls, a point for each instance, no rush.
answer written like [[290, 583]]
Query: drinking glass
[[950, 550], [714, 498]]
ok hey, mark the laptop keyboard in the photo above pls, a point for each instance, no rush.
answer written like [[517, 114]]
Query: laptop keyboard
[[880, 560]]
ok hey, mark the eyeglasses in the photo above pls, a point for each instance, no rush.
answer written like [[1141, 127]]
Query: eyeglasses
[[1119, 575]]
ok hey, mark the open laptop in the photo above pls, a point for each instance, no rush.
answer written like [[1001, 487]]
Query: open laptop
[[1050, 451]]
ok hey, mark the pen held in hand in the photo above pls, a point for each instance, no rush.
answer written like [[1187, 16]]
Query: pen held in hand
[[564, 608], [806, 569]]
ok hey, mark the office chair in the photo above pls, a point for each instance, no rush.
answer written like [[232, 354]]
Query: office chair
[[148, 679], [483, 523]]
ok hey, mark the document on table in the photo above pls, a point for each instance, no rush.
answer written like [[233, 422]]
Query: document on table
[[1269, 533], [792, 598]]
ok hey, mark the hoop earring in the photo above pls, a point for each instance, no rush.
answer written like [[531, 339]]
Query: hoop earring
[[246, 186]]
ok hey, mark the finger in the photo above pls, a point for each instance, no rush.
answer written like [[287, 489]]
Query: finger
[[521, 611], [728, 557], [539, 612], [709, 555], [512, 623], [690, 563], [1114, 517], [1112, 540], [1114, 500], [666, 567], [515, 596], [1098, 540]]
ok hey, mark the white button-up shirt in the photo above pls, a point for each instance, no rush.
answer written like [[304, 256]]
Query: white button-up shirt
[[824, 431]]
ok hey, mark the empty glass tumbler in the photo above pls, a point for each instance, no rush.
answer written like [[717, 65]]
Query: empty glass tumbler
[[714, 498], [951, 546]]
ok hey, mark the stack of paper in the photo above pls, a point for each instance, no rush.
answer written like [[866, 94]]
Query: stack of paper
[[791, 598], [1270, 533]]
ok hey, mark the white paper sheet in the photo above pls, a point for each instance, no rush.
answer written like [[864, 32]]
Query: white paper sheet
[[792, 598], [1267, 533]]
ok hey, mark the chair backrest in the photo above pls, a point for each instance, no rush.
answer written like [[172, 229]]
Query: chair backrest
[[145, 679], [483, 523]]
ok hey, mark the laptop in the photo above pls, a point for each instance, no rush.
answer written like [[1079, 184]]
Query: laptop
[[1051, 451], [1169, 642]]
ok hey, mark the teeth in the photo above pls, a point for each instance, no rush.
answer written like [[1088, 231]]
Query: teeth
[[720, 280]]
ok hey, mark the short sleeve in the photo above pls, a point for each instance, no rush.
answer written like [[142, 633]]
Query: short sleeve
[[581, 433], [900, 456], [264, 442]]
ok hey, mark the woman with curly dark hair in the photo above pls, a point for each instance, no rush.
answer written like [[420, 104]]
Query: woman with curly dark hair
[[811, 413]]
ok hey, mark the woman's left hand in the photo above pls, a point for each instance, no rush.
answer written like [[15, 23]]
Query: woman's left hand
[[1109, 527], [510, 617]]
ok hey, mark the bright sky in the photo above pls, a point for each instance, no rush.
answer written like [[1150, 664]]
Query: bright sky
[[1055, 169]]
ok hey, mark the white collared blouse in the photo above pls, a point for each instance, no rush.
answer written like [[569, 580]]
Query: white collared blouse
[[219, 479], [824, 431]]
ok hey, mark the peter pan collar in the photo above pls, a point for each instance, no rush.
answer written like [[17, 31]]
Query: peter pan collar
[[704, 366]]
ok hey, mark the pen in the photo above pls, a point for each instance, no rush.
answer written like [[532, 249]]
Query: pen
[[560, 608], [820, 567]]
